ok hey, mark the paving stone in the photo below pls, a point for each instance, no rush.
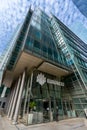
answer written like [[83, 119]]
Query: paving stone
[[70, 124]]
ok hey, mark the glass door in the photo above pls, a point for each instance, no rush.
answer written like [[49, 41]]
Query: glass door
[[67, 108]]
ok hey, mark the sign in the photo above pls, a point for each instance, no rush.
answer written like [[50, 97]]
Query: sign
[[41, 79], [55, 82]]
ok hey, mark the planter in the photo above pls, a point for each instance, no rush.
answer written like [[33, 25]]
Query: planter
[[40, 117], [35, 117], [30, 118], [73, 113]]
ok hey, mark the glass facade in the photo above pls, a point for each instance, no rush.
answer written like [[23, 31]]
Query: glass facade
[[40, 41], [45, 102], [19, 41], [35, 36], [73, 48], [77, 93], [54, 95], [76, 55]]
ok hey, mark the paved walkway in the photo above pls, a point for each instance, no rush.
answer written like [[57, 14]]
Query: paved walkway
[[70, 124]]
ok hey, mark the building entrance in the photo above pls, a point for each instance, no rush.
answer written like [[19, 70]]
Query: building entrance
[[50, 110], [44, 102], [45, 110], [68, 110]]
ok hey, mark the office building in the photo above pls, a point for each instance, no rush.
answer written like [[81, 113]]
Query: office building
[[46, 72], [4, 58]]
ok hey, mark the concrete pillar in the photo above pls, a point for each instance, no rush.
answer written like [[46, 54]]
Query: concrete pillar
[[26, 95], [12, 98], [3, 92], [9, 100], [19, 99], [15, 98], [23, 94], [50, 111], [30, 88], [7, 104]]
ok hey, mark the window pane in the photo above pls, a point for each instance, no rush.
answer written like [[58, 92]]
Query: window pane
[[36, 44]]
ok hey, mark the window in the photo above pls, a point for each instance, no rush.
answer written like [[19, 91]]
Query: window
[[36, 44], [44, 38], [38, 34], [31, 30], [29, 41], [85, 74], [52, 44], [55, 55], [44, 49], [49, 52], [21, 37]]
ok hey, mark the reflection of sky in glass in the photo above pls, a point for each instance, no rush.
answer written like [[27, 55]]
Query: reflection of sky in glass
[[82, 5], [12, 12]]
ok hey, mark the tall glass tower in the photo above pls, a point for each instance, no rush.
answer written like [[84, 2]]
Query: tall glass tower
[[46, 72], [4, 58]]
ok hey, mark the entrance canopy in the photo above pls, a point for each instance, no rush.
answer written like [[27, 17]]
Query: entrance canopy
[[30, 61], [52, 69]]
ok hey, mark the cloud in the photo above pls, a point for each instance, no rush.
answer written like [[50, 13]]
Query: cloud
[[13, 12]]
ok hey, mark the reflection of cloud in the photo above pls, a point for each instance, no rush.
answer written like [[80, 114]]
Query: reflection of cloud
[[81, 5], [79, 30], [12, 12]]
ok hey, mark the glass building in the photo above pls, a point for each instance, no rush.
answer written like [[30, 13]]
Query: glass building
[[4, 58], [46, 72]]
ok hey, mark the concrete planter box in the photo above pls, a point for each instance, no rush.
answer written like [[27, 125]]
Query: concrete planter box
[[30, 118]]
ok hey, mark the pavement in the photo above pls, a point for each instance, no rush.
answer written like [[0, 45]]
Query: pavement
[[69, 124]]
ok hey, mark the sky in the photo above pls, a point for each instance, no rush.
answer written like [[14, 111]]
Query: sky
[[13, 12]]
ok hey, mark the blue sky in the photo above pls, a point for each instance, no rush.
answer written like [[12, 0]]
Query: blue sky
[[12, 12]]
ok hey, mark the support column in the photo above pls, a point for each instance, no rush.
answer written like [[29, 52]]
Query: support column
[[26, 95], [10, 106], [9, 101], [30, 88], [19, 100], [15, 98], [3, 92], [50, 111]]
